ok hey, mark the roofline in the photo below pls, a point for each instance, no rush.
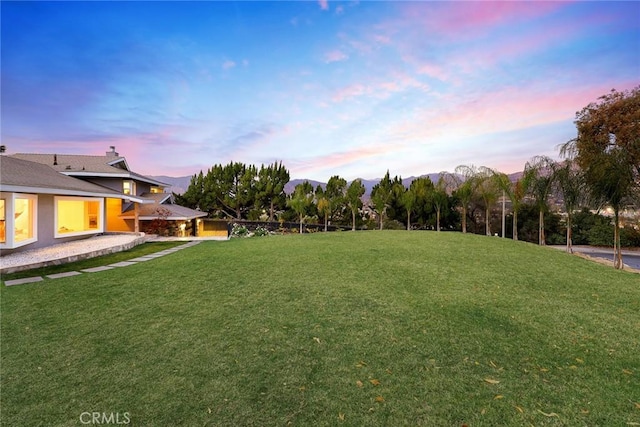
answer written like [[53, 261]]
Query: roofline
[[169, 218], [128, 174], [63, 192], [118, 160]]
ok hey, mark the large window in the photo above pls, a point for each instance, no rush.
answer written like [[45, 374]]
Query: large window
[[3, 223], [18, 219], [78, 215], [23, 212]]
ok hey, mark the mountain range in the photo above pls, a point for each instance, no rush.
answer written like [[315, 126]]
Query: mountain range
[[180, 184]]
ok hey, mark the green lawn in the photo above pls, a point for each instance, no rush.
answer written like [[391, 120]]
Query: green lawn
[[366, 328]]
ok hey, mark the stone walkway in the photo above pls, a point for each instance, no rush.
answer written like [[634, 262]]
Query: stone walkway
[[102, 268]]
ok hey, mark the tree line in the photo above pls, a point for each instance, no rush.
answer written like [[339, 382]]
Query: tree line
[[598, 168]]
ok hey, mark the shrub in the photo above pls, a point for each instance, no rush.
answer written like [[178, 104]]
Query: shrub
[[239, 231], [261, 231]]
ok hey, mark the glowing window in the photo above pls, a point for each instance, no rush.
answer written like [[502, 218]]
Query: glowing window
[[76, 215], [129, 187], [156, 190], [3, 233], [23, 223]]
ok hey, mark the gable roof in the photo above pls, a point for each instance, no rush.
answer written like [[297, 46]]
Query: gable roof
[[19, 175], [89, 166], [173, 212]]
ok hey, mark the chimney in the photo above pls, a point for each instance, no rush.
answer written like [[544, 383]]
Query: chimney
[[112, 153], [55, 160]]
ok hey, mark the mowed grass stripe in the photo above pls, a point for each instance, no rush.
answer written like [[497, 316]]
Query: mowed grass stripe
[[367, 328]]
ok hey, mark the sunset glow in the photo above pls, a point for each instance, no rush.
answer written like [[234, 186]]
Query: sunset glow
[[348, 88]]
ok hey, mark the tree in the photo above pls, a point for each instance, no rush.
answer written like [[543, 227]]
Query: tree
[[439, 198], [538, 175], [488, 192], [570, 184], [465, 176], [301, 199], [335, 194], [515, 191], [323, 204], [607, 149], [421, 188], [270, 187], [354, 199], [381, 195], [407, 200]]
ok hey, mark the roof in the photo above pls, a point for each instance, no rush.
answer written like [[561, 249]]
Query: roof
[[89, 166], [174, 212], [19, 175]]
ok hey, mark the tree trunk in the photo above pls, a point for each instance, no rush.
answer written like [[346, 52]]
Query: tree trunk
[[569, 234], [326, 220], [438, 219], [487, 223], [353, 217], [271, 211], [464, 219], [617, 250], [408, 220], [300, 223], [515, 224], [381, 215], [541, 239]]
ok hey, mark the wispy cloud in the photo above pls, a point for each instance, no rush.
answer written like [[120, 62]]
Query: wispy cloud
[[335, 56], [228, 64], [324, 4]]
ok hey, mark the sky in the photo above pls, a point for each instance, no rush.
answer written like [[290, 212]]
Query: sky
[[351, 88]]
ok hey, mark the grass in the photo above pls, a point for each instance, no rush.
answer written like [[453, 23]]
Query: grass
[[136, 251], [366, 328]]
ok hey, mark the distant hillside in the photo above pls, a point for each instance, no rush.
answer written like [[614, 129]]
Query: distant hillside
[[178, 184]]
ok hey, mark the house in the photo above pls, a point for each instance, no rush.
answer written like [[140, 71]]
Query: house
[[52, 198]]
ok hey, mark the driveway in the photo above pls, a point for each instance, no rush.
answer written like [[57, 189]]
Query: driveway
[[629, 257]]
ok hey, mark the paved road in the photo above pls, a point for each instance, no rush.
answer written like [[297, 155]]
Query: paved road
[[630, 258]]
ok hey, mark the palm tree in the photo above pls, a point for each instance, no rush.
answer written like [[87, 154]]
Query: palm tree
[[301, 199], [570, 183], [539, 179], [488, 191], [440, 198], [465, 177], [515, 191]]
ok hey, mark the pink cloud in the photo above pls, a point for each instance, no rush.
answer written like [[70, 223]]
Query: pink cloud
[[324, 4], [335, 56], [228, 64], [461, 19], [380, 89], [337, 159]]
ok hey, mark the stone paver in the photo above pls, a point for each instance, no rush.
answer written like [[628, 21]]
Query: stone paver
[[122, 264], [23, 281], [96, 269], [103, 268], [60, 275]]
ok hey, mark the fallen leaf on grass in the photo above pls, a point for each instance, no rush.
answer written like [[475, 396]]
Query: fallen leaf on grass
[[359, 383], [340, 416], [491, 381], [584, 411], [519, 409], [544, 370], [208, 410], [379, 399], [375, 382], [360, 364], [579, 360], [627, 372], [550, 414], [637, 405], [631, 423], [316, 339], [498, 396]]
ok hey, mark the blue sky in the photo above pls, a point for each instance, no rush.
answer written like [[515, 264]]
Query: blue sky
[[347, 88]]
